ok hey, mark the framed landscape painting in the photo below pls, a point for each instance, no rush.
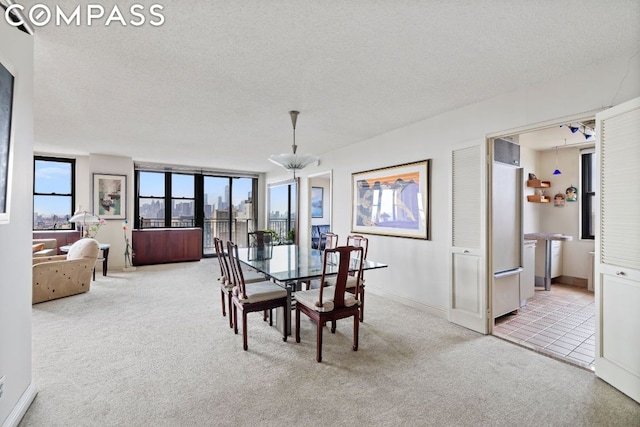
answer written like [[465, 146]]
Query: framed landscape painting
[[109, 196], [6, 109], [316, 202], [392, 201]]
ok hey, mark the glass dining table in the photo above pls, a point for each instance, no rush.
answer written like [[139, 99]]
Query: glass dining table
[[289, 266]]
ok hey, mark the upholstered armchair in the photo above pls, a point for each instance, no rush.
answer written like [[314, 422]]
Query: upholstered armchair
[[65, 275]]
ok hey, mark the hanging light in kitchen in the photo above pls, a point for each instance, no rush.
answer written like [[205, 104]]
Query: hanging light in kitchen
[[557, 171]]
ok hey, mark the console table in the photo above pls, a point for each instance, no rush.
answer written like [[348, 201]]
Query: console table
[[104, 247]]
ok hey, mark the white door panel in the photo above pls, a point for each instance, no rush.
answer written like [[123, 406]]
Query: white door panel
[[617, 259]]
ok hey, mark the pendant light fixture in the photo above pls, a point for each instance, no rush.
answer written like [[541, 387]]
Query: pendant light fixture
[[293, 161], [557, 171]]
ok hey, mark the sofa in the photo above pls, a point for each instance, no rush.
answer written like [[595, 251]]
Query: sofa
[[45, 247], [64, 275]]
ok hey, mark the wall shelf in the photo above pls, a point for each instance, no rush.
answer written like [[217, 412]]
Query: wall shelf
[[538, 199], [536, 183]]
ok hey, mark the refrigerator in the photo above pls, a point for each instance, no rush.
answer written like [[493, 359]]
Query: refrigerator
[[506, 227]]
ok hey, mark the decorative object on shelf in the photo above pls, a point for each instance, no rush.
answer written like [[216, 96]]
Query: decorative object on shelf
[[532, 176], [572, 194], [558, 200], [89, 223], [293, 162], [110, 195], [128, 265], [392, 201]]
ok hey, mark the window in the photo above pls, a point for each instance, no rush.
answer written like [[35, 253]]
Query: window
[[588, 194], [182, 200], [222, 206], [53, 193], [283, 207], [151, 199]]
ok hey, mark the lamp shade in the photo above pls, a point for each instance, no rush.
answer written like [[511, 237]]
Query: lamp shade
[[84, 218], [292, 162]]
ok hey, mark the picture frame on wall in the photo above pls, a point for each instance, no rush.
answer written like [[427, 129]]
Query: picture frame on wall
[[110, 196], [317, 207], [392, 201], [6, 111]]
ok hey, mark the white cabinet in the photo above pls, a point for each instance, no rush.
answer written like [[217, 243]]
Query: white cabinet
[[506, 294], [527, 277], [556, 261]]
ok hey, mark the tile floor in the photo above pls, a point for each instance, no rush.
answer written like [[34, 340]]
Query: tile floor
[[559, 323]]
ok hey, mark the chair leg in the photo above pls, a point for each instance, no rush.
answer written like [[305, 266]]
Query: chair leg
[[362, 304], [235, 319], [297, 324], [333, 326], [356, 325], [230, 298], [244, 331], [286, 316], [319, 342], [224, 312]]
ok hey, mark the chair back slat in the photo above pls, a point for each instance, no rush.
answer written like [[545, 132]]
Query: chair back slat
[[349, 261], [236, 270], [222, 259], [328, 240], [360, 241]]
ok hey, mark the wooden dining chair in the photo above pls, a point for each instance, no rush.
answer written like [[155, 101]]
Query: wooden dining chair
[[259, 238], [259, 296], [356, 240], [328, 240], [332, 303], [225, 279]]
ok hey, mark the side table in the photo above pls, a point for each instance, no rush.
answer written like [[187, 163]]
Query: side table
[[104, 247]]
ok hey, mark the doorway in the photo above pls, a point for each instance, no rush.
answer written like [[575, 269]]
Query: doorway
[[560, 321], [320, 209]]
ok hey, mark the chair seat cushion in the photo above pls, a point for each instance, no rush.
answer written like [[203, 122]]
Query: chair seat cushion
[[311, 297], [261, 291], [351, 281]]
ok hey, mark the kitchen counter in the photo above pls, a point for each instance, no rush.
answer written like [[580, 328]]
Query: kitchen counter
[[548, 237]]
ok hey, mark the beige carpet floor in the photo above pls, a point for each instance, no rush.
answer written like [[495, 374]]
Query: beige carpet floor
[[151, 348]]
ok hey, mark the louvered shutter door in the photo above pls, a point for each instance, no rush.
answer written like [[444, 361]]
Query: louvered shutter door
[[466, 198], [620, 190]]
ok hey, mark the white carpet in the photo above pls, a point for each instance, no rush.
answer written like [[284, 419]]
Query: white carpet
[[151, 348]]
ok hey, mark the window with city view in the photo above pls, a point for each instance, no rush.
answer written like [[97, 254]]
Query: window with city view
[[53, 193], [222, 206], [283, 207]]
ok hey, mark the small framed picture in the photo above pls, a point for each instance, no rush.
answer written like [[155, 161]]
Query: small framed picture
[[110, 196], [317, 207]]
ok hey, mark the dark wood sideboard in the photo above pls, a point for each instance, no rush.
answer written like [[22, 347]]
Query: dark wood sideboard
[[164, 245]]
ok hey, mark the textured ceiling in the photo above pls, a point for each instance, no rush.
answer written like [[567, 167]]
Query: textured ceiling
[[213, 85]]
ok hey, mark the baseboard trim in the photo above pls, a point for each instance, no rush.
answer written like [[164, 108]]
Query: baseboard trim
[[436, 311], [21, 407]]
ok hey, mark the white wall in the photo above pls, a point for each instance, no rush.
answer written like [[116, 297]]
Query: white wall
[[418, 270], [530, 211], [16, 54]]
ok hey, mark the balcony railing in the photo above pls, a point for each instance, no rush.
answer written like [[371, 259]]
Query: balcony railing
[[235, 231]]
